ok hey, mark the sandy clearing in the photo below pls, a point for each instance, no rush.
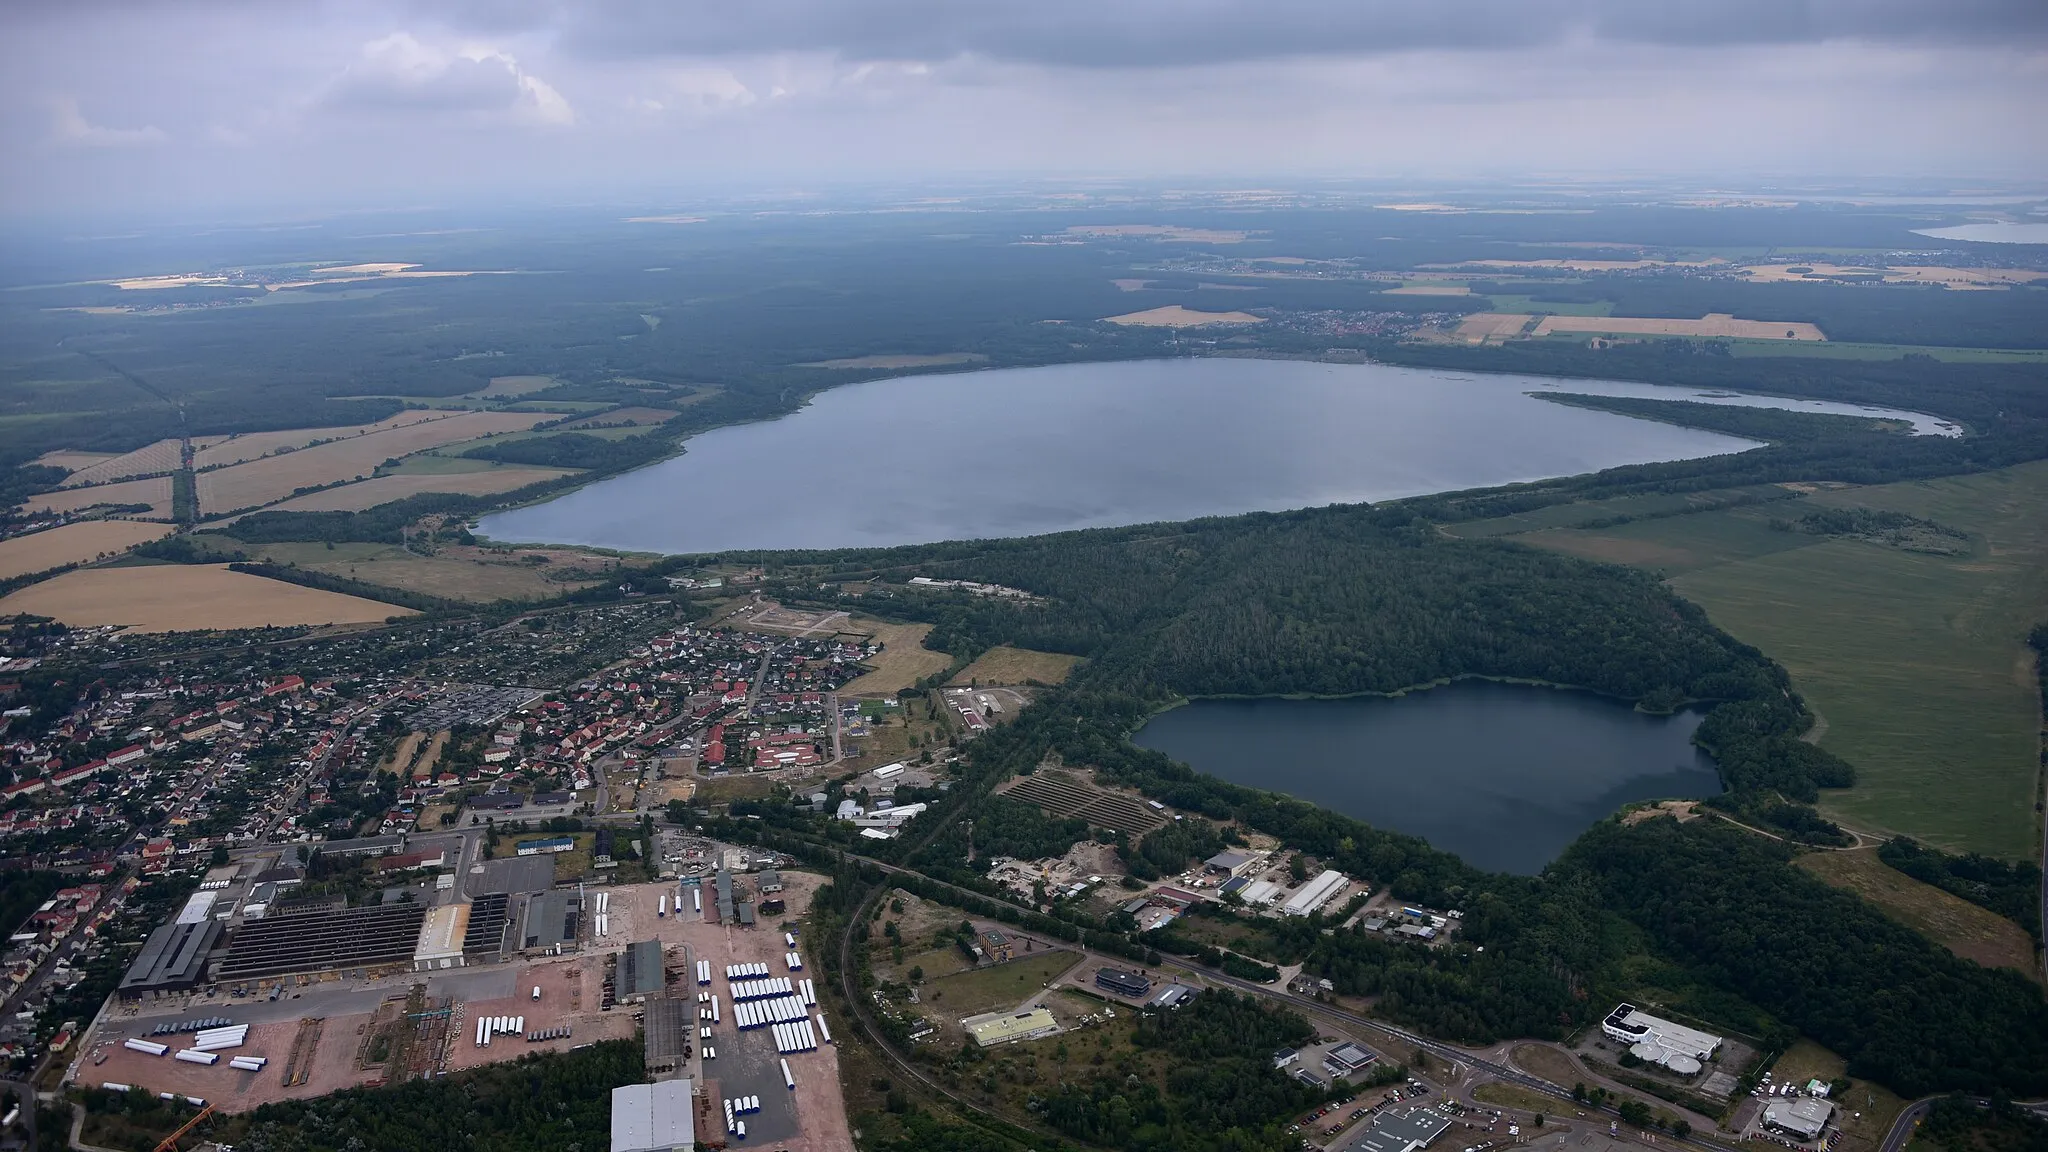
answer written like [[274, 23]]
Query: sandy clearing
[[148, 460], [72, 544], [1712, 324], [940, 360], [155, 492], [188, 597], [642, 415], [275, 478], [1480, 327], [256, 445], [1175, 316], [514, 386], [384, 489], [1168, 232]]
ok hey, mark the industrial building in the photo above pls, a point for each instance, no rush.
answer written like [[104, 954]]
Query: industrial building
[[669, 1025], [552, 919], [324, 938], [1004, 1027], [1345, 1059], [551, 844], [1654, 1040], [653, 1118], [1121, 982], [1231, 863], [1408, 1133], [1801, 1117], [173, 959], [1315, 894], [721, 888], [441, 940], [640, 974], [1172, 996], [484, 938]]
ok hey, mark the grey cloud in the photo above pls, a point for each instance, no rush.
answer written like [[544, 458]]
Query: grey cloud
[[1153, 33], [398, 73]]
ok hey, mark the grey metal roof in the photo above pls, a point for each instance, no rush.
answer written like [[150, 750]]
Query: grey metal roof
[[173, 957], [1402, 1133], [640, 971], [652, 1117], [551, 919]]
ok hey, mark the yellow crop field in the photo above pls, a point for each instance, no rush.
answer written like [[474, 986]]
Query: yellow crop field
[[1175, 316], [155, 492], [188, 597], [225, 450], [1481, 327], [1712, 324], [72, 461], [73, 544], [147, 460], [384, 489], [274, 478]]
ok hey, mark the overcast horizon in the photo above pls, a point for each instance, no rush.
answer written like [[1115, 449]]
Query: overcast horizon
[[123, 107]]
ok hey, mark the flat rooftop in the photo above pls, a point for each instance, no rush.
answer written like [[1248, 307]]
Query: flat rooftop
[[323, 939]]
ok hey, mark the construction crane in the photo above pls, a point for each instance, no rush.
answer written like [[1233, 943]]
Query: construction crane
[[170, 1143]]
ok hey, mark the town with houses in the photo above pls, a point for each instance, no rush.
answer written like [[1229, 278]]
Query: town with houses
[[472, 842]]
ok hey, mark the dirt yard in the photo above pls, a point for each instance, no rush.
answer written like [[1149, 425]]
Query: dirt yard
[[155, 492], [148, 460], [333, 1065], [938, 360], [255, 445], [904, 659], [274, 478], [73, 544], [384, 489], [188, 597], [1175, 316], [1006, 665], [571, 990], [1712, 324]]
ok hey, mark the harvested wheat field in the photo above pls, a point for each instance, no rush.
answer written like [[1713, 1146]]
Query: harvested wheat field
[[275, 478], [148, 460], [1480, 327], [938, 360], [1006, 665], [384, 489], [904, 660], [188, 597], [225, 450], [73, 544], [155, 492], [71, 461], [1712, 324], [645, 417], [1175, 316], [514, 386]]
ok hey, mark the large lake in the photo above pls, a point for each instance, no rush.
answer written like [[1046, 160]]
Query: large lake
[[1504, 775], [1020, 451]]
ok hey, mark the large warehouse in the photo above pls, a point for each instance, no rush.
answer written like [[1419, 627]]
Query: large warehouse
[[173, 959], [1803, 1117], [653, 1118], [321, 939]]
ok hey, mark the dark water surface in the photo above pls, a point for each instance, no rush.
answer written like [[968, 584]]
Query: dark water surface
[[1505, 775], [1019, 451]]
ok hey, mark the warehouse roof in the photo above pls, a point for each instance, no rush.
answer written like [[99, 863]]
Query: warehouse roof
[[1008, 1026], [1402, 1133], [640, 971], [442, 933], [652, 1117], [173, 957]]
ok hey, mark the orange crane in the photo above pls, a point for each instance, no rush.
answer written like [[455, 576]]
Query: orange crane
[[170, 1143]]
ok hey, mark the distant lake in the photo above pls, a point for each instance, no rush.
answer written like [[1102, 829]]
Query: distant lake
[[1020, 451], [1996, 233], [1504, 775]]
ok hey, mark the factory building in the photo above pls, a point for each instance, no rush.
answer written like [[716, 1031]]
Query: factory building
[[441, 938], [173, 959], [1004, 1027], [1121, 982], [640, 974], [1801, 1117], [1315, 894], [1408, 1133]]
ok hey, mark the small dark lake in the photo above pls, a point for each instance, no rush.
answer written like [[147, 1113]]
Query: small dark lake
[[1505, 775]]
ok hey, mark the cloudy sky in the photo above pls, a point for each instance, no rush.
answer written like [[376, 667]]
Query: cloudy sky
[[120, 106]]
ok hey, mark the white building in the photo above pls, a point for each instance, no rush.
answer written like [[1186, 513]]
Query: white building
[[1315, 894], [653, 1118], [1657, 1041]]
